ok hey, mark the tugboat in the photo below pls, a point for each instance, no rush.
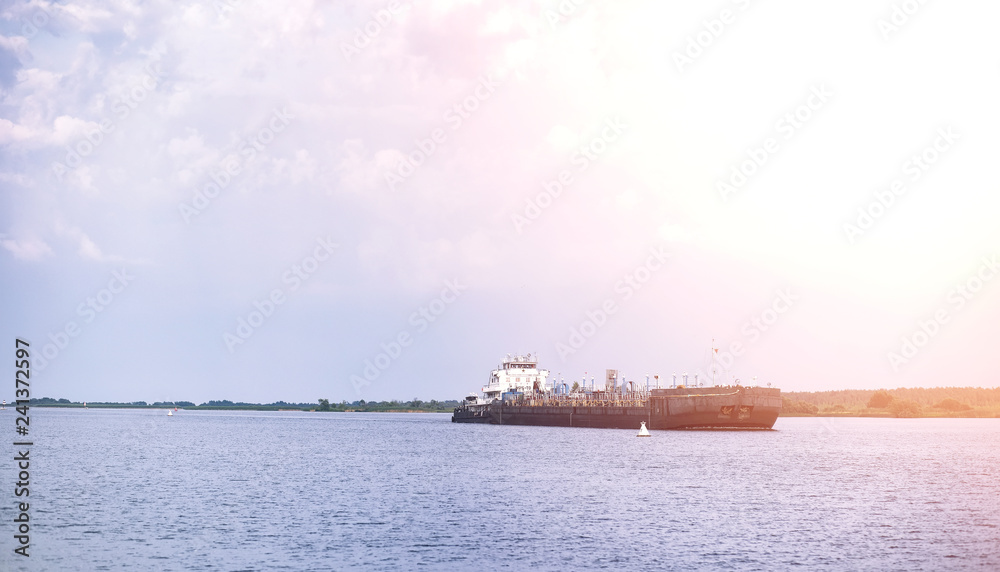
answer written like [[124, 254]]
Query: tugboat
[[518, 393]]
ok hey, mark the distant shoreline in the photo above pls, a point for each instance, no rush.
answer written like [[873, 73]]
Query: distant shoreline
[[917, 402], [241, 408], [828, 414], [848, 415], [415, 406], [936, 402], [197, 408], [887, 415]]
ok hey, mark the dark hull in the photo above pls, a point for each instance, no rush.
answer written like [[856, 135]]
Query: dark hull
[[740, 408], [463, 415], [627, 418]]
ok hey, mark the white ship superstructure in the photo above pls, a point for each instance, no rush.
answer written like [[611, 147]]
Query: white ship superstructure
[[517, 374]]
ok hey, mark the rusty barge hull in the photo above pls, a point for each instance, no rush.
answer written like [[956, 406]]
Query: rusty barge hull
[[694, 408]]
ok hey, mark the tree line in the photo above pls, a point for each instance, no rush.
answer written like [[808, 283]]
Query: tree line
[[900, 402], [321, 405]]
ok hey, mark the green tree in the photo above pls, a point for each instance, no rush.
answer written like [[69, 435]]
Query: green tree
[[951, 405], [904, 408], [880, 400], [795, 407], [324, 404], [576, 386]]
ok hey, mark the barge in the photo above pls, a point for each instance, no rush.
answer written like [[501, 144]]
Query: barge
[[518, 393]]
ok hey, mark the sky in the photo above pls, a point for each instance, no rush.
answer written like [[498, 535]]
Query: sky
[[380, 200]]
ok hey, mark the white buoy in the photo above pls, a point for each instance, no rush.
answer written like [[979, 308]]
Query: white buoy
[[643, 432], [170, 413]]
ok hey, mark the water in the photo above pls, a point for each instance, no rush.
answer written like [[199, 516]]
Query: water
[[205, 490]]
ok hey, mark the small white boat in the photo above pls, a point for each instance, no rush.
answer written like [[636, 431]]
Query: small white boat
[[171, 414], [643, 432]]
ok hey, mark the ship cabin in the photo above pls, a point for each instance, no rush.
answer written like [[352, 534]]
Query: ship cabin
[[516, 374]]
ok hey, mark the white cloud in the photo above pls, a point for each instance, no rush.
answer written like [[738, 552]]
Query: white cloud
[[356, 120], [184, 148], [66, 129], [16, 44], [27, 249], [301, 169], [358, 171], [87, 248], [11, 132]]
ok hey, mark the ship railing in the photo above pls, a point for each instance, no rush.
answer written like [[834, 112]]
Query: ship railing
[[627, 399]]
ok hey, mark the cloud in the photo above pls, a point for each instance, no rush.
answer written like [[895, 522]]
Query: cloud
[[227, 65], [27, 249], [358, 170], [87, 249], [12, 52], [11, 132], [301, 169]]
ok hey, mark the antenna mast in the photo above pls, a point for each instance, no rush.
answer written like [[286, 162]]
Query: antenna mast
[[713, 352]]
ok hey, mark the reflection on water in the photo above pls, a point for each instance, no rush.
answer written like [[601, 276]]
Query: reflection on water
[[205, 490]]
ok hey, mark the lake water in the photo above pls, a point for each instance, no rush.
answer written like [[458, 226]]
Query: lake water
[[206, 490]]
